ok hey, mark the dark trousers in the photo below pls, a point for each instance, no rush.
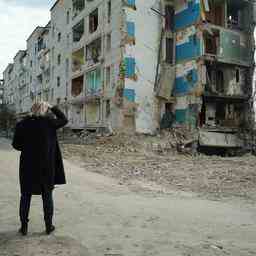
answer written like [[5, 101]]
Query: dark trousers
[[48, 206]]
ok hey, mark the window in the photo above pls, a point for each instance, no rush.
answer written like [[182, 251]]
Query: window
[[59, 59], [58, 101], [77, 86], [41, 44], [93, 51], [108, 42], [58, 81], [108, 70], [68, 38], [220, 81], [59, 36], [68, 14], [78, 6], [108, 108], [78, 31], [93, 21], [109, 11], [31, 63], [237, 76], [67, 67], [169, 17], [93, 81], [169, 50]]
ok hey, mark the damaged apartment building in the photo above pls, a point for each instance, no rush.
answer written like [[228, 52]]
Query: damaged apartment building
[[214, 68], [123, 64]]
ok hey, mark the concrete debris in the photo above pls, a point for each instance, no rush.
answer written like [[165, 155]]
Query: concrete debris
[[139, 158], [179, 139]]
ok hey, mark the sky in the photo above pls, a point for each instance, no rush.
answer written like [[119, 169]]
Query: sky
[[18, 19]]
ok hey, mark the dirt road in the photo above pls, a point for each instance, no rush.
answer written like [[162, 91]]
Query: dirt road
[[97, 216]]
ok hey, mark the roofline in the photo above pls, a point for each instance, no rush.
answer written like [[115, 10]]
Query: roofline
[[54, 5], [20, 51], [34, 32], [8, 66]]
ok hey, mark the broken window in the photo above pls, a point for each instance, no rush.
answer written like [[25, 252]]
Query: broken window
[[169, 50], [78, 6], [212, 42], [237, 75], [237, 13], [222, 113], [40, 79], [77, 60], [77, 86], [169, 17], [215, 13], [40, 44], [78, 31], [93, 21], [220, 81], [109, 11], [93, 51], [108, 109]]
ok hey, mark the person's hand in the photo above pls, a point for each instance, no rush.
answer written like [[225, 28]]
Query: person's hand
[[49, 106]]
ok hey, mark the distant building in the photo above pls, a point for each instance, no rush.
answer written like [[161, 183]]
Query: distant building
[[1, 92], [124, 64]]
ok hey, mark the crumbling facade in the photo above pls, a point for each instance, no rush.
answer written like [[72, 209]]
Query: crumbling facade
[[213, 76], [124, 65]]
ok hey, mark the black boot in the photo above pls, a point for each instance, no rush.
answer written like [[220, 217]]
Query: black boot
[[24, 229], [49, 228]]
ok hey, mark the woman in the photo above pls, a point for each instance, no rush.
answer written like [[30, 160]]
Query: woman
[[41, 164]]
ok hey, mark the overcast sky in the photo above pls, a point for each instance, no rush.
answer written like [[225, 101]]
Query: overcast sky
[[18, 18]]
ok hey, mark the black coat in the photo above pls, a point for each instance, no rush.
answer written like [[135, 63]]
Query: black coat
[[41, 164]]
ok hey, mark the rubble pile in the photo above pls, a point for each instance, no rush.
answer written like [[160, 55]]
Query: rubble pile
[[180, 140], [128, 159]]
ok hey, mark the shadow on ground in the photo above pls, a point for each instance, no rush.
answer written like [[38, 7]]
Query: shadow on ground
[[12, 243]]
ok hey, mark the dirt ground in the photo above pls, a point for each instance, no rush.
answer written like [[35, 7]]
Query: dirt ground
[[123, 199]]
